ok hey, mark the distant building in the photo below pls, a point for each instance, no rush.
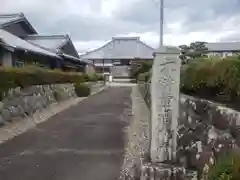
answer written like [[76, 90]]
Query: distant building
[[20, 44], [118, 55], [223, 49]]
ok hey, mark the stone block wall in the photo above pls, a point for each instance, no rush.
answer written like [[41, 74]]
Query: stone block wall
[[19, 103], [206, 131]]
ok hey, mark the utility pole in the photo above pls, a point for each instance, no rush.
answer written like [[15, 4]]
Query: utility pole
[[161, 13]]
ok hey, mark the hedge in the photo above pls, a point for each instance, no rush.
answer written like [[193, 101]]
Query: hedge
[[28, 76], [212, 77], [93, 77]]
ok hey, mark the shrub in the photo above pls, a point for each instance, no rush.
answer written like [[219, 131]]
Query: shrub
[[222, 169], [86, 77], [227, 167], [82, 90], [211, 77], [144, 76]]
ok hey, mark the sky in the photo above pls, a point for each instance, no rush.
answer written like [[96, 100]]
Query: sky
[[92, 23]]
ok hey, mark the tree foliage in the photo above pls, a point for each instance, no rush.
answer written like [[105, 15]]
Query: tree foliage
[[144, 67], [193, 51]]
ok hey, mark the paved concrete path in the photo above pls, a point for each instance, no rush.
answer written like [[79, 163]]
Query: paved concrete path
[[85, 142]]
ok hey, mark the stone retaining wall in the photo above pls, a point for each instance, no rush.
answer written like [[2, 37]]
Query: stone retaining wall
[[206, 131], [20, 103]]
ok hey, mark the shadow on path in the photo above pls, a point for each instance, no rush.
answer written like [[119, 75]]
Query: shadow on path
[[84, 142]]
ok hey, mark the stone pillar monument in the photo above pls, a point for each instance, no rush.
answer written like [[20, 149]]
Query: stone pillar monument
[[165, 104]]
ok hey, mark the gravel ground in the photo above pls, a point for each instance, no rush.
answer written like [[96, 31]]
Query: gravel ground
[[137, 137]]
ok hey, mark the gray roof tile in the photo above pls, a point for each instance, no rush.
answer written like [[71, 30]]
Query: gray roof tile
[[121, 48], [6, 18], [17, 42], [52, 42], [223, 46]]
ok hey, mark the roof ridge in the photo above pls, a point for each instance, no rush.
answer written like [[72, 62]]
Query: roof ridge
[[126, 38], [46, 36], [12, 15], [223, 42]]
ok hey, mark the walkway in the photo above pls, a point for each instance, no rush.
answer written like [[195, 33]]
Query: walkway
[[85, 142]]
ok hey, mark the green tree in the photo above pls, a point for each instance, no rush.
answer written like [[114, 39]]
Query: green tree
[[145, 66], [194, 50]]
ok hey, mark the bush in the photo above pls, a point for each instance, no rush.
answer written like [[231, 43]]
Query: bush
[[31, 75], [144, 76], [82, 90], [222, 170], [226, 167], [212, 77], [86, 77]]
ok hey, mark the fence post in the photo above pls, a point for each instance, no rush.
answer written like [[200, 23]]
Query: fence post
[[165, 104]]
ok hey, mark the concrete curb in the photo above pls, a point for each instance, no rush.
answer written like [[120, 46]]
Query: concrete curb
[[13, 129]]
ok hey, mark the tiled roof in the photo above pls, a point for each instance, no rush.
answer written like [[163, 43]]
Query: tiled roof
[[52, 42], [223, 46], [45, 45], [18, 43], [121, 48], [6, 19]]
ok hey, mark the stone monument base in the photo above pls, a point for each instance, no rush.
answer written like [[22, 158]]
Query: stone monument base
[[161, 171]]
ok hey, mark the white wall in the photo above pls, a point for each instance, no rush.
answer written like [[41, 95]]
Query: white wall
[[222, 54]]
